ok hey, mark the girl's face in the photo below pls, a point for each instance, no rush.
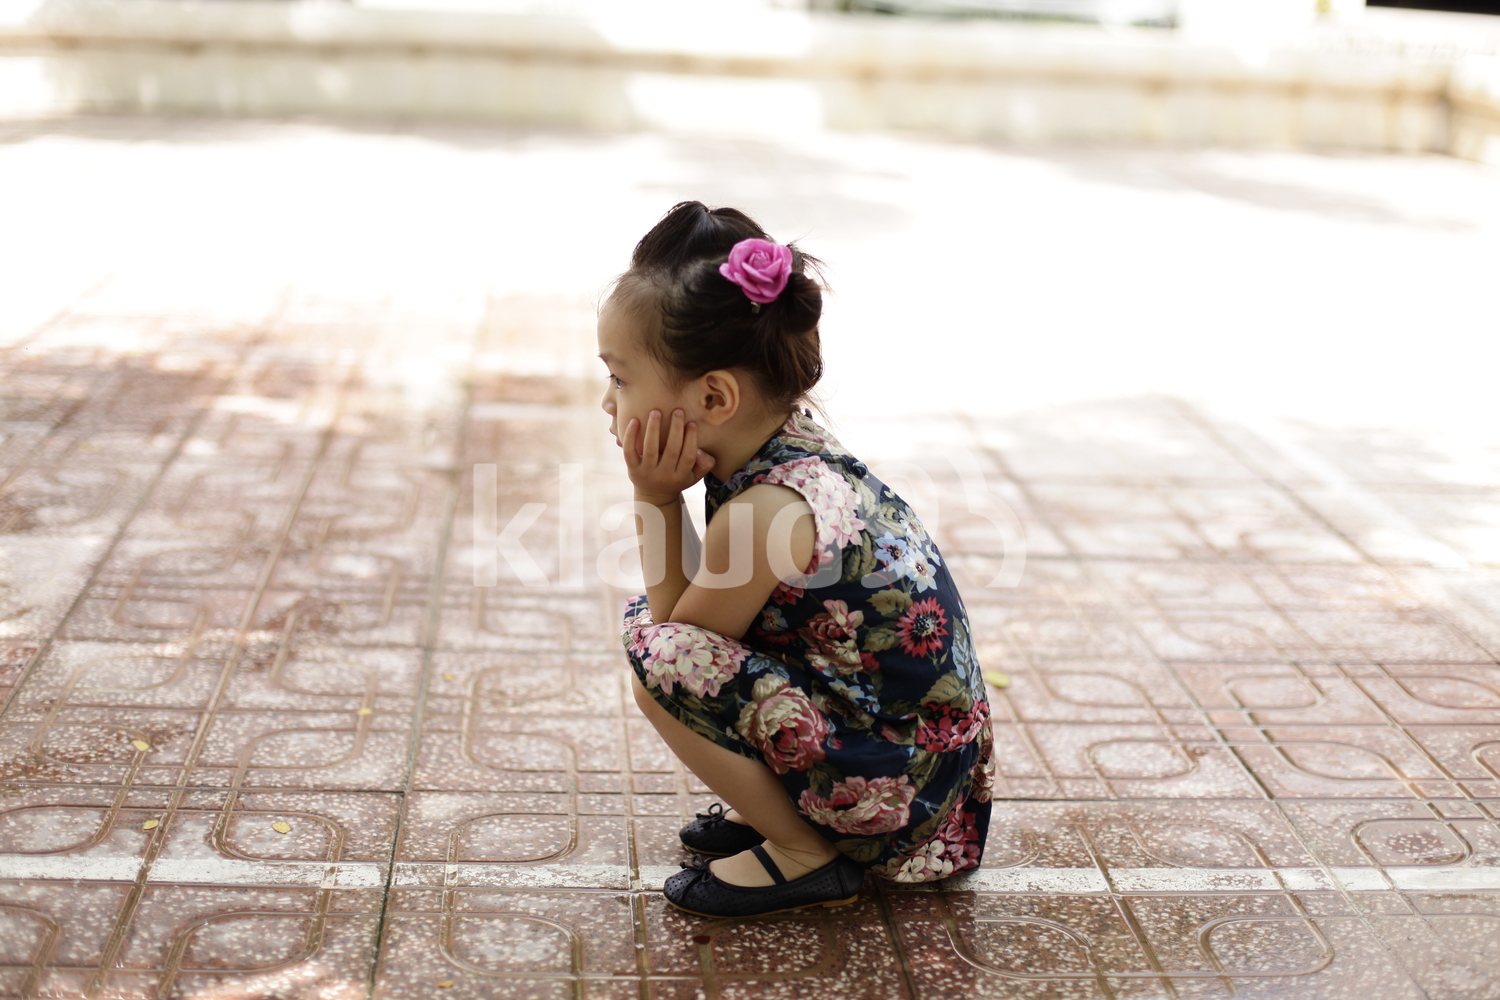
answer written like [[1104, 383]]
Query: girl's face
[[636, 386]]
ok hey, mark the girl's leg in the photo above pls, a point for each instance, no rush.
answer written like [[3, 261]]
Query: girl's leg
[[753, 791]]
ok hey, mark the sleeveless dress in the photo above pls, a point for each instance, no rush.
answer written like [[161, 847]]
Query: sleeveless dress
[[858, 683]]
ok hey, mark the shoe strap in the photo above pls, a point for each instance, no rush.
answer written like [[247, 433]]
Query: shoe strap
[[768, 864]]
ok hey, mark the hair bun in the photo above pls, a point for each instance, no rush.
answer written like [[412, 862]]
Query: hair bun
[[699, 266]]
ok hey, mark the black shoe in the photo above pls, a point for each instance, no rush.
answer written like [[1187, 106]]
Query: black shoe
[[714, 836], [696, 890]]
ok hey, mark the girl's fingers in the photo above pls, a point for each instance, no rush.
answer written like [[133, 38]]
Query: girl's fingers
[[702, 462], [687, 450], [673, 454], [653, 439], [632, 431], [696, 461], [673, 463]]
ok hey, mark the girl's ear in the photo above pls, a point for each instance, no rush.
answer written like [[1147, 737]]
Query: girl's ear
[[719, 395]]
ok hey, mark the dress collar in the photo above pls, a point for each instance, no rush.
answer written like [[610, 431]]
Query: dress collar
[[799, 437]]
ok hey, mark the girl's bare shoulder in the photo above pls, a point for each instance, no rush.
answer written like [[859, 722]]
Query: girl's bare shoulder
[[768, 498]]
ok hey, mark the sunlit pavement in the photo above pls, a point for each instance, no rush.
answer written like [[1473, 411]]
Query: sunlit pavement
[[1209, 437]]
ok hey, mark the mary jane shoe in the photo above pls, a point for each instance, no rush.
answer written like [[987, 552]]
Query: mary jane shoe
[[698, 891]]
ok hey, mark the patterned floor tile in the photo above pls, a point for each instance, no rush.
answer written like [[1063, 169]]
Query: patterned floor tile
[[267, 728]]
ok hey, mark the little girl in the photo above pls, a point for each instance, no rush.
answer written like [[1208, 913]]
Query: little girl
[[814, 667]]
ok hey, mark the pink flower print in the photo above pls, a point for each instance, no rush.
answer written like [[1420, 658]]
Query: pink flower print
[[920, 631], [835, 507], [832, 640], [784, 725], [799, 474], [954, 848], [961, 835], [947, 727], [688, 655], [891, 734], [861, 807], [839, 614], [632, 631], [824, 555], [984, 775], [926, 863], [787, 594]]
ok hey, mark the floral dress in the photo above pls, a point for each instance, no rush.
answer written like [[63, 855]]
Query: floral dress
[[857, 685]]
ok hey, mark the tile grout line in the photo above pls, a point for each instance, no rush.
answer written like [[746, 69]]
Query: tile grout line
[[892, 927], [45, 647], [1312, 642], [1115, 600], [507, 876], [1244, 766], [1193, 415], [429, 645], [116, 940], [639, 928], [1205, 424], [46, 644], [1128, 915], [116, 937], [1086, 565], [1392, 723]]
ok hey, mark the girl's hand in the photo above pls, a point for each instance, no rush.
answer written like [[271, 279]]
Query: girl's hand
[[660, 478]]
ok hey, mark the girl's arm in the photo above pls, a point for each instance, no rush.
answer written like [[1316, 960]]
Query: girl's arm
[[680, 536], [740, 568], [726, 598], [659, 478]]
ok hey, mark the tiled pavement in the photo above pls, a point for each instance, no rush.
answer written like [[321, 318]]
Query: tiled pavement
[[263, 737]]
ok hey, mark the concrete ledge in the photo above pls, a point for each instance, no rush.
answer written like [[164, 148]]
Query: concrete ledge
[[763, 71], [1474, 97]]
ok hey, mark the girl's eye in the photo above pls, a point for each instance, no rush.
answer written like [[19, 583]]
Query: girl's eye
[[615, 379]]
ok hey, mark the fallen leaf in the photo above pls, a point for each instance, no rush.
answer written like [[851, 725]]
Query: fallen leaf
[[364, 711], [140, 745], [445, 984], [281, 826], [997, 678], [151, 824]]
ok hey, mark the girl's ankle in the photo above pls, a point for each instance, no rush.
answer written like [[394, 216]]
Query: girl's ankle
[[803, 860]]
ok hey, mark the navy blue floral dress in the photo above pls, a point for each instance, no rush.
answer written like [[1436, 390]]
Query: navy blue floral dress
[[858, 684]]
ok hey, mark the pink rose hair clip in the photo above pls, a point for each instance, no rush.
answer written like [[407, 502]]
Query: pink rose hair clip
[[761, 268]]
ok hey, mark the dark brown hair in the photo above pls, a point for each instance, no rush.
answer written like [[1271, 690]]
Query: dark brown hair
[[698, 320]]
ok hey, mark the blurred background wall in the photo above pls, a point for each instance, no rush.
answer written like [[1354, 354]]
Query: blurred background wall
[[1245, 73]]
